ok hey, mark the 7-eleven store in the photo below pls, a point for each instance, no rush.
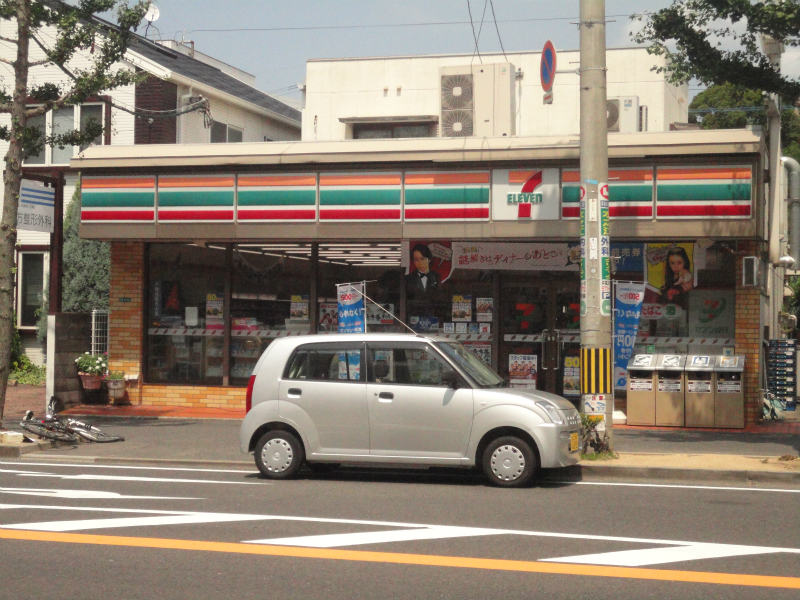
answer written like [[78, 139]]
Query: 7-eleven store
[[219, 249]]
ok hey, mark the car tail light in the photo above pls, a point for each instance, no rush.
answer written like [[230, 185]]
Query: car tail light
[[248, 400]]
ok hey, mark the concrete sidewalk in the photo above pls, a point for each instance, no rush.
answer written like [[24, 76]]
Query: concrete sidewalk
[[766, 454]]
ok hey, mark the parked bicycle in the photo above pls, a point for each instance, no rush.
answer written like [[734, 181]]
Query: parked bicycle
[[771, 406], [65, 429]]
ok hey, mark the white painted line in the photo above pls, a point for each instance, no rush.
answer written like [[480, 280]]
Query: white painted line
[[83, 525], [90, 477], [125, 467], [378, 537], [660, 556], [677, 486], [86, 494]]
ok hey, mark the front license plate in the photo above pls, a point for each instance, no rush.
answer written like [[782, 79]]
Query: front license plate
[[573, 442]]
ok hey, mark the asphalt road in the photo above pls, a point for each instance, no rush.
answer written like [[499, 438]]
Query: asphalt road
[[143, 532]]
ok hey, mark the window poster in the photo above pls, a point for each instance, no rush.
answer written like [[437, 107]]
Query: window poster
[[328, 316], [214, 311], [484, 308], [298, 310], [462, 308], [523, 370], [572, 376]]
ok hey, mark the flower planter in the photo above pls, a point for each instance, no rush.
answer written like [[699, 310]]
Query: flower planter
[[116, 388], [91, 382]]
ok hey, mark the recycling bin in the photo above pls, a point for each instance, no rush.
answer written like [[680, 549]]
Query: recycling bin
[[670, 390], [729, 392], [641, 389], [700, 382]]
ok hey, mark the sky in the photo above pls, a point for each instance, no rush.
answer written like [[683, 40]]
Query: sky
[[273, 39]]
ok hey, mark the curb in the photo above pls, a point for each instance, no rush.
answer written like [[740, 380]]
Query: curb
[[595, 473], [17, 450]]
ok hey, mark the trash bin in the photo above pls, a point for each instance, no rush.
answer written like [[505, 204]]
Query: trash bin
[[670, 393], [641, 389], [700, 390], [729, 392]]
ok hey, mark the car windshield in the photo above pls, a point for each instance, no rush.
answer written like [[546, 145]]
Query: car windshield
[[473, 366]]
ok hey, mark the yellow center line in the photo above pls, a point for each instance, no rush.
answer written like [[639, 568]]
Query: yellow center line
[[429, 560]]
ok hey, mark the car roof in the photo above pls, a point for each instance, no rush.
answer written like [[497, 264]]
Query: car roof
[[358, 337]]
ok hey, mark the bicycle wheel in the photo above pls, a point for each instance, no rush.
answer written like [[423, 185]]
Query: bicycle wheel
[[93, 434], [48, 432]]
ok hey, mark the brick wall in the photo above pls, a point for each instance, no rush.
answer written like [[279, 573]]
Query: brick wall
[[748, 333], [195, 396], [156, 94]]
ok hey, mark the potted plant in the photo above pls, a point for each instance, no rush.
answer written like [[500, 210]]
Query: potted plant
[[115, 383], [91, 369]]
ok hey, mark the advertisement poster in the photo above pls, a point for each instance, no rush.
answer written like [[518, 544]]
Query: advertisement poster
[[484, 307], [328, 317], [428, 264], [671, 275], [523, 370], [572, 376], [214, 316], [462, 308], [298, 310], [351, 308], [711, 313], [627, 310], [378, 316]]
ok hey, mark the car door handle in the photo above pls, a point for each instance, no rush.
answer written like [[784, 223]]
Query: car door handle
[[385, 397], [296, 392]]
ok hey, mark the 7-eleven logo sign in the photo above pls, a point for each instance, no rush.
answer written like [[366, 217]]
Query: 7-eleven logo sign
[[525, 194]]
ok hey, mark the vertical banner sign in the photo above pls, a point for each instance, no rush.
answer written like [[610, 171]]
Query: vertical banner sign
[[36, 206], [627, 310], [352, 316], [605, 253], [584, 310]]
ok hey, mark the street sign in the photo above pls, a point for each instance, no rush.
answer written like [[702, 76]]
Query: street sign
[[547, 67]]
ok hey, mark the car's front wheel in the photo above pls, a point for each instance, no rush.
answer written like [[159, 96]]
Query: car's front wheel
[[509, 461], [279, 454]]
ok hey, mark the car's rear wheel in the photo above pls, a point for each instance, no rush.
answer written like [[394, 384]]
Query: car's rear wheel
[[509, 461], [279, 454]]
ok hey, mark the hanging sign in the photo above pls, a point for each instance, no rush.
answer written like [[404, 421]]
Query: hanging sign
[[352, 317], [36, 206]]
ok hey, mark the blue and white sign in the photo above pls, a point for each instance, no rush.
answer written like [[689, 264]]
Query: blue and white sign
[[627, 310], [352, 315], [36, 206]]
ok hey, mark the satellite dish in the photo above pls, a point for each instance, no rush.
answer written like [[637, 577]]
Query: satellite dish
[[152, 14]]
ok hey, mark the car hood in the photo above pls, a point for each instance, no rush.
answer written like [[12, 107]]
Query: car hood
[[523, 396]]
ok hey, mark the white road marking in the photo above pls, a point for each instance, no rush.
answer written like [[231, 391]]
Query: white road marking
[[86, 494], [675, 550], [378, 537], [660, 556], [679, 486], [93, 477], [124, 467]]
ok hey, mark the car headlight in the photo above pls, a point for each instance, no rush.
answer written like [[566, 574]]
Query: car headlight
[[556, 416]]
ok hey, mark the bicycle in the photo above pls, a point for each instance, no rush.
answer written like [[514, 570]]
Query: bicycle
[[65, 429], [770, 405]]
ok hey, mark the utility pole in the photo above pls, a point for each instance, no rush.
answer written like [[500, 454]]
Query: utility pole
[[597, 385]]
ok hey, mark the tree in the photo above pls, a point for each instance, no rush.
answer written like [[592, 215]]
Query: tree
[[688, 34], [86, 266], [729, 106], [73, 29]]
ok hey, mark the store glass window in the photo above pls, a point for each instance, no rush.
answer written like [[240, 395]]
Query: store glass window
[[31, 269], [185, 334], [40, 123], [377, 264], [63, 122], [270, 297]]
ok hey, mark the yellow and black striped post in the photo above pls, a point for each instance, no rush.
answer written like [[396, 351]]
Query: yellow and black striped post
[[596, 371]]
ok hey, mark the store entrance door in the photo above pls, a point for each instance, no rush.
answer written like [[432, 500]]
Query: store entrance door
[[540, 332]]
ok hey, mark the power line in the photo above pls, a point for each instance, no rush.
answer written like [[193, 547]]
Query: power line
[[386, 25]]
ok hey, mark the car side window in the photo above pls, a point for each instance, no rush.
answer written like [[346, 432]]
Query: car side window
[[406, 364], [325, 363]]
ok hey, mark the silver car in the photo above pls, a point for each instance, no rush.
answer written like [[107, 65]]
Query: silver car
[[401, 400]]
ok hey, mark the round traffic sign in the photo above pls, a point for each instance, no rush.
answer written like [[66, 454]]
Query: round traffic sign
[[547, 67]]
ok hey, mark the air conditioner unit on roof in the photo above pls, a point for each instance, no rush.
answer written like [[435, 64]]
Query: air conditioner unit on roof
[[623, 114], [477, 100]]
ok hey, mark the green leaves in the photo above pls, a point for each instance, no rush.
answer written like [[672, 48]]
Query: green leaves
[[719, 41]]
